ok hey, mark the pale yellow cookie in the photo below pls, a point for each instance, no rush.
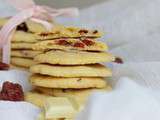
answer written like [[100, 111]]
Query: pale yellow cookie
[[28, 26], [21, 36], [18, 67], [53, 82], [35, 27], [22, 62], [36, 98], [25, 53], [3, 21], [81, 95], [95, 70], [22, 45], [69, 32], [71, 44], [73, 57]]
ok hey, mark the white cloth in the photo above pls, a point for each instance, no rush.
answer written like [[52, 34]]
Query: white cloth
[[132, 31], [133, 34], [128, 101], [18, 111]]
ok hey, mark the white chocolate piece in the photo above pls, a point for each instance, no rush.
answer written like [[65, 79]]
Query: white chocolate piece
[[41, 116], [60, 107]]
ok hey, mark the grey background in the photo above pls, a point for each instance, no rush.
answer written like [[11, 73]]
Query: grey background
[[68, 3]]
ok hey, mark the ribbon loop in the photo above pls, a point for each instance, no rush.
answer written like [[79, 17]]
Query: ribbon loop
[[29, 10]]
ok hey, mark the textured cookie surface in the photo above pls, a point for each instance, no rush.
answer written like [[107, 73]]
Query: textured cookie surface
[[28, 26], [71, 44], [67, 92], [80, 95], [18, 67], [74, 57], [53, 82], [95, 70], [20, 36], [69, 32], [25, 53], [22, 62], [36, 98], [22, 45]]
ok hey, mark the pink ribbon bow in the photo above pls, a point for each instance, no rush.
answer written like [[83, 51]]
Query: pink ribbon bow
[[29, 10]]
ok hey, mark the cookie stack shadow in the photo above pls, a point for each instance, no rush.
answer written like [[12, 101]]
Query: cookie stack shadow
[[71, 66]]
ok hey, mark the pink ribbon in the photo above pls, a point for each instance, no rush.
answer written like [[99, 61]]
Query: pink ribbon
[[29, 10]]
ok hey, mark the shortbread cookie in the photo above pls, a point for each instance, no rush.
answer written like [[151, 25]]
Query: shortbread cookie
[[71, 44], [25, 53], [22, 45], [22, 62], [28, 26], [70, 92], [95, 70], [53, 82], [36, 98], [80, 95], [73, 57], [20, 36], [18, 67], [69, 32]]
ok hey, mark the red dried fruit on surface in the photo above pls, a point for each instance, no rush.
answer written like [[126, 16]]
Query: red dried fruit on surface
[[4, 66], [44, 34], [63, 42], [83, 31], [79, 44], [95, 31], [88, 42], [11, 92], [118, 60]]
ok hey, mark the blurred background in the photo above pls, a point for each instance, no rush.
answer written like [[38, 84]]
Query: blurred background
[[67, 3]]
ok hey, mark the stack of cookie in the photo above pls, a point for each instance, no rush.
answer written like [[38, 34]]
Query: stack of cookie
[[22, 42], [71, 64]]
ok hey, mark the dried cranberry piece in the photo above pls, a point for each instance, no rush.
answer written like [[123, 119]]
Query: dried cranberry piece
[[118, 60], [83, 31], [79, 44], [11, 92], [22, 27], [63, 42], [4, 66], [44, 34], [88, 42], [95, 31]]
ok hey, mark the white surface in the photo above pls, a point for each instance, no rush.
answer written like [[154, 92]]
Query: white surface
[[128, 101], [18, 111], [133, 29]]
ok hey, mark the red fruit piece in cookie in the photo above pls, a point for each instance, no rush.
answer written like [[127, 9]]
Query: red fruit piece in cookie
[[11, 92], [88, 42], [63, 42], [83, 31], [95, 31], [79, 44]]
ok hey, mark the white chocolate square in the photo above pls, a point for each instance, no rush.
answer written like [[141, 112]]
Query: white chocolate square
[[60, 107]]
